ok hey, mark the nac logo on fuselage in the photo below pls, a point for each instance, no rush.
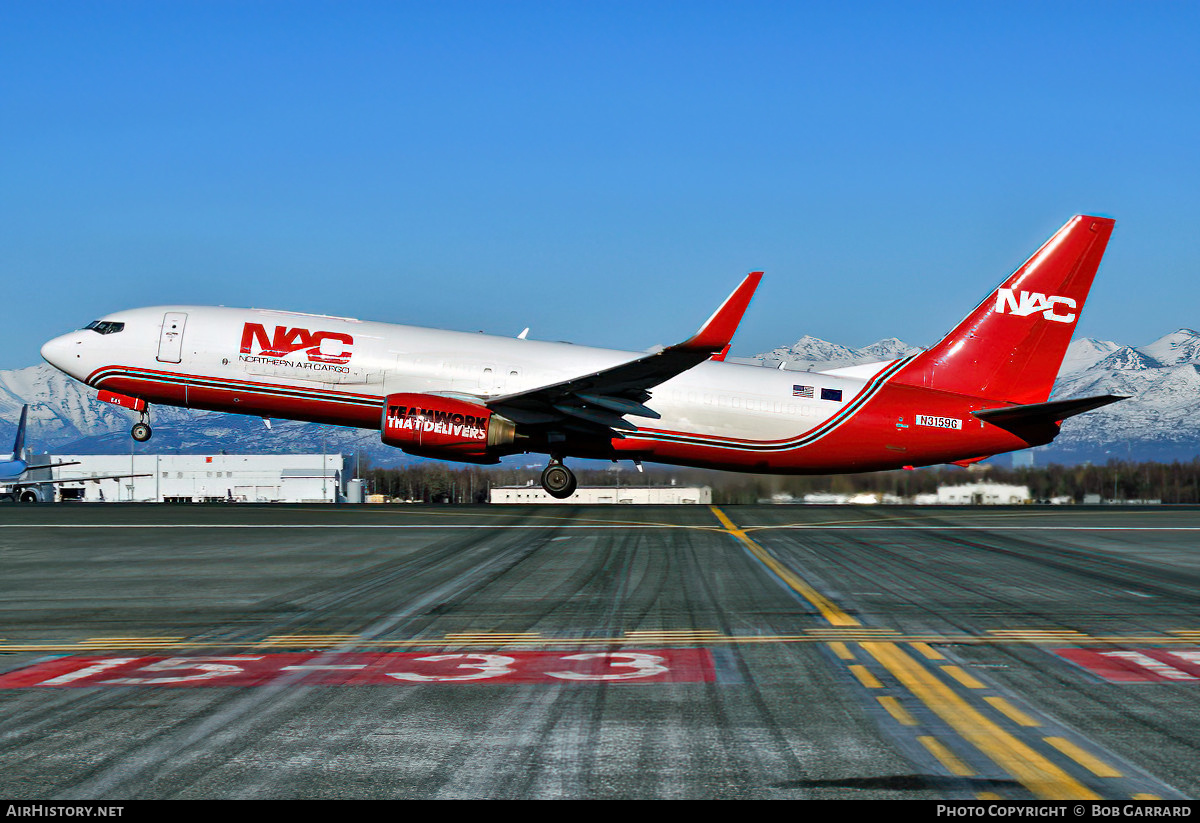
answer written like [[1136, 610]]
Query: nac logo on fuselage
[[1033, 302], [321, 346]]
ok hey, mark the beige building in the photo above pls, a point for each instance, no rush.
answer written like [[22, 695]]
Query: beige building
[[982, 494], [198, 478]]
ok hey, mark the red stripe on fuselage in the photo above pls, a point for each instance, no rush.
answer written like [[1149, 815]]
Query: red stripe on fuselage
[[242, 397]]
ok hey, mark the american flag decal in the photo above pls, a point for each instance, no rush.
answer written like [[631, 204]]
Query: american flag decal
[[802, 391]]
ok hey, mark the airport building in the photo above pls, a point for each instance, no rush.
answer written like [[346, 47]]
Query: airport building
[[968, 494], [645, 495], [187, 478], [981, 494]]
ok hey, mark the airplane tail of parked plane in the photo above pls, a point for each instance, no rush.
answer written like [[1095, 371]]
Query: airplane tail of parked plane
[[18, 451], [1012, 345]]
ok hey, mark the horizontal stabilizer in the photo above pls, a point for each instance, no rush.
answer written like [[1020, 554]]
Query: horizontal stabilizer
[[1051, 412]]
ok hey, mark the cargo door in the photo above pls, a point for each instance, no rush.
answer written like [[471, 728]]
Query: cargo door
[[170, 341]]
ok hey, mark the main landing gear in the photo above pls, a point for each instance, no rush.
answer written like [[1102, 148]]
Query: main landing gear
[[141, 430], [558, 480]]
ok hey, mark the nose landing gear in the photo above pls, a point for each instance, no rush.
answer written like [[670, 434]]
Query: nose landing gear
[[141, 430], [558, 480]]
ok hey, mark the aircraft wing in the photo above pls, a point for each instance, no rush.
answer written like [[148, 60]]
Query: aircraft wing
[[603, 398], [50, 482]]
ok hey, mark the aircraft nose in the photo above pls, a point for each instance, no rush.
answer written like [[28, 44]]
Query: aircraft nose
[[59, 351]]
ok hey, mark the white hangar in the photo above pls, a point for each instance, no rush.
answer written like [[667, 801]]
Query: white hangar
[[188, 478]]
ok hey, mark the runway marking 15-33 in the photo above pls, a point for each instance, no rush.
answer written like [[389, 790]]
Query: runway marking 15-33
[[368, 669]]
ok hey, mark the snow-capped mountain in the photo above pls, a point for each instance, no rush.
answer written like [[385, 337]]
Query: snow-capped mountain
[[1160, 421], [65, 417], [1084, 353], [61, 409], [811, 353], [1176, 349]]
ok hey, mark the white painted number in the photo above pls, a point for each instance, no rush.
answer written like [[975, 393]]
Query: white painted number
[[489, 665], [209, 669], [643, 665], [87, 671]]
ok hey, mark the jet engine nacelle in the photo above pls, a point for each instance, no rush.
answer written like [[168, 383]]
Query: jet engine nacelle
[[28, 494], [444, 427]]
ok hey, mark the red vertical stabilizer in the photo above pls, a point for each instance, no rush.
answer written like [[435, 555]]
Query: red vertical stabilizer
[[1012, 345]]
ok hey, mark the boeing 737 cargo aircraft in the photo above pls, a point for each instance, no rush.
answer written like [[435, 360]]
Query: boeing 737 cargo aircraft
[[982, 390]]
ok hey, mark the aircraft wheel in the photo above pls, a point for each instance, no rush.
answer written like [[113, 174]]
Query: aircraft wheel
[[559, 481], [141, 432]]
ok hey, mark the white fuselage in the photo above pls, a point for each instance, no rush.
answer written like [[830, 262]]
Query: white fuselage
[[353, 358]]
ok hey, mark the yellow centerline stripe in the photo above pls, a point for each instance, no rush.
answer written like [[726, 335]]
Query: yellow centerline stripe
[[947, 757], [1011, 712], [1084, 758], [929, 652], [897, 711], [820, 602], [840, 649], [1035, 771], [865, 676], [962, 676]]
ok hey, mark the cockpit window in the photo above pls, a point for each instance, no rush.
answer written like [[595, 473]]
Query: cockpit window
[[105, 326]]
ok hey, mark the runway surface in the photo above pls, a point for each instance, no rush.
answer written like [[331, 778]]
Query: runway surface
[[598, 652]]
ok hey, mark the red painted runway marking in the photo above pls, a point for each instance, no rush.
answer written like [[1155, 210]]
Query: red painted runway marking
[[368, 669], [1138, 665]]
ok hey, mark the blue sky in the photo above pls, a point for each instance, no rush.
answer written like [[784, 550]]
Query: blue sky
[[604, 173]]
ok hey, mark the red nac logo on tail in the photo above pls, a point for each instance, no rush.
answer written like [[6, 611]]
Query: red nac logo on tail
[[320, 347], [1032, 303]]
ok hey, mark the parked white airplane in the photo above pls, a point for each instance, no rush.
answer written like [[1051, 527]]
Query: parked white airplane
[[468, 397], [18, 486]]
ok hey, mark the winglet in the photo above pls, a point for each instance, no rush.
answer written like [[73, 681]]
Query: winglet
[[719, 329]]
